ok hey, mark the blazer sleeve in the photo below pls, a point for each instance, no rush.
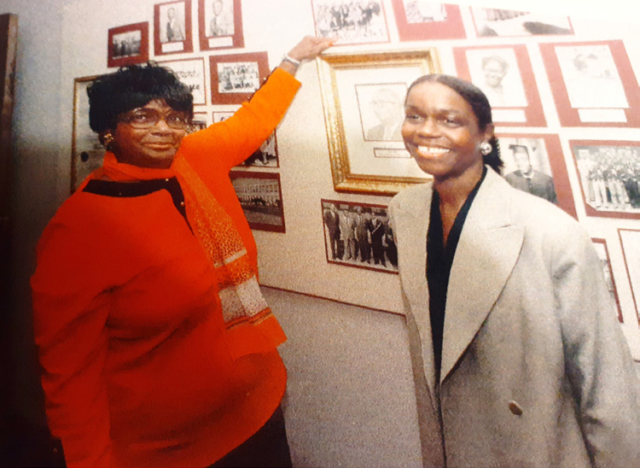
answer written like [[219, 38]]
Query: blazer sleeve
[[597, 358]]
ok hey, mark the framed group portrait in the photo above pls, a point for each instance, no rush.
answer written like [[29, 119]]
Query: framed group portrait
[[609, 173], [603, 255], [363, 96], [87, 152], [505, 75], [420, 20], [351, 22], [172, 25], [495, 22], [592, 83], [220, 24], [630, 241], [191, 73], [359, 235], [260, 196], [235, 77], [128, 45]]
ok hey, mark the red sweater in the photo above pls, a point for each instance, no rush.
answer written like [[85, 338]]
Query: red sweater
[[128, 320]]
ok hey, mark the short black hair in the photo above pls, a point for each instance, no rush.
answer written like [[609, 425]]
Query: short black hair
[[479, 105], [131, 87]]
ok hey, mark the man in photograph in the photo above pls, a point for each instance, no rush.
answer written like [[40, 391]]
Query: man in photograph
[[222, 22], [175, 30], [388, 109], [527, 179], [332, 222]]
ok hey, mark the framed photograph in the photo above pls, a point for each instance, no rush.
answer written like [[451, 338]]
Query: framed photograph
[[128, 45], [87, 152], [198, 123], [363, 96], [493, 22], [534, 164], [266, 155], [630, 241], [191, 73], [220, 24], [505, 75], [603, 254], [234, 78], [421, 20], [609, 174], [351, 22], [593, 84], [359, 235], [172, 25], [221, 116], [260, 196]]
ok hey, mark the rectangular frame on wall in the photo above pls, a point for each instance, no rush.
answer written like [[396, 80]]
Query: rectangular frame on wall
[[261, 61], [183, 42], [228, 35], [605, 261], [128, 45], [609, 174], [519, 102], [260, 195], [87, 152], [603, 86], [631, 254], [191, 72], [199, 122], [509, 23], [361, 162], [545, 157], [412, 26], [332, 19]]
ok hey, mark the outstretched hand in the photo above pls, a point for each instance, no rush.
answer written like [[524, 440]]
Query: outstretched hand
[[310, 47]]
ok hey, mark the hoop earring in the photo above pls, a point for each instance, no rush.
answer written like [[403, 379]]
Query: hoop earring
[[107, 140], [485, 148]]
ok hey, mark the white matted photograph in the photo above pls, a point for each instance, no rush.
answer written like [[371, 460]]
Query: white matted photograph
[[495, 71], [218, 16], [351, 21], [172, 22], [492, 22], [381, 108], [238, 77], [424, 11], [191, 73], [630, 240]]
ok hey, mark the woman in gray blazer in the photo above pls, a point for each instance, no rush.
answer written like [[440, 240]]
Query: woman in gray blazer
[[517, 359]]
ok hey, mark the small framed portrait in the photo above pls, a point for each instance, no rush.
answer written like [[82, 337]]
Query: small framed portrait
[[609, 173], [505, 75], [234, 78], [603, 254], [363, 96], [350, 21], [593, 84], [199, 122], [260, 196], [420, 20], [87, 152], [534, 164], [630, 241], [172, 24], [359, 235], [493, 22], [191, 73], [220, 24], [128, 45]]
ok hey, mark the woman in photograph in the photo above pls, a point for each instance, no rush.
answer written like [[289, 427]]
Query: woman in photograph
[[517, 358], [156, 345]]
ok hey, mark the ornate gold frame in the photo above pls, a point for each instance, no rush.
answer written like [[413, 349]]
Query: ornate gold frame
[[329, 66]]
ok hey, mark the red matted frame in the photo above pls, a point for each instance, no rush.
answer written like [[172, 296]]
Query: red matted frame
[[325, 24], [210, 42], [217, 97], [633, 281], [553, 152], [342, 250], [191, 72], [451, 28], [261, 199], [613, 282], [117, 59], [569, 116], [530, 116], [162, 45], [592, 168]]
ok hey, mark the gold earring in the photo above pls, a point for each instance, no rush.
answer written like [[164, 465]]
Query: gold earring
[[107, 139]]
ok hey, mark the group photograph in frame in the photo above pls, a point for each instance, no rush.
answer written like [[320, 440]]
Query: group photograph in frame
[[592, 83], [359, 235], [605, 262], [172, 28], [87, 152], [420, 20], [494, 22], [534, 164], [365, 159], [191, 73], [220, 24], [235, 77], [260, 196], [128, 45], [630, 241], [505, 75], [609, 173], [351, 21]]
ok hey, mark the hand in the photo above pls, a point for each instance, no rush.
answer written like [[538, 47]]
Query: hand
[[310, 47]]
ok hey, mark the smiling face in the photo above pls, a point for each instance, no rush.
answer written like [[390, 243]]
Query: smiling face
[[441, 132]]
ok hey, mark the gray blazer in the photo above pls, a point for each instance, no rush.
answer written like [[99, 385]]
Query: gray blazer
[[535, 369]]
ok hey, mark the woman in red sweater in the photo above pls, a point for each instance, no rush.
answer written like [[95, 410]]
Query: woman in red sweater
[[156, 344]]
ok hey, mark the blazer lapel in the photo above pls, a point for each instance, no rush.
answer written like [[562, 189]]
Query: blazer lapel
[[487, 251]]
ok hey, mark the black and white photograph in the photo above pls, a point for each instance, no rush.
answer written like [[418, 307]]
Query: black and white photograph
[[491, 22], [630, 240], [266, 155], [495, 71], [424, 11], [238, 77], [381, 109], [603, 254], [172, 22], [610, 178], [351, 21], [359, 235], [126, 44], [219, 19], [260, 196], [191, 73]]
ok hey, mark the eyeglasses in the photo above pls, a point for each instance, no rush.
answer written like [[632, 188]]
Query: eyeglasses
[[148, 118]]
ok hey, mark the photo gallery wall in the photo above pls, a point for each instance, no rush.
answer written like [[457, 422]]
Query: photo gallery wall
[[591, 83]]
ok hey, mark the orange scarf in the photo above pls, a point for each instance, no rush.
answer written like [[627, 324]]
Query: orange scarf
[[251, 326]]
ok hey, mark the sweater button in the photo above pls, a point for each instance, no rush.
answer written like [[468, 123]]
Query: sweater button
[[515, 408]]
